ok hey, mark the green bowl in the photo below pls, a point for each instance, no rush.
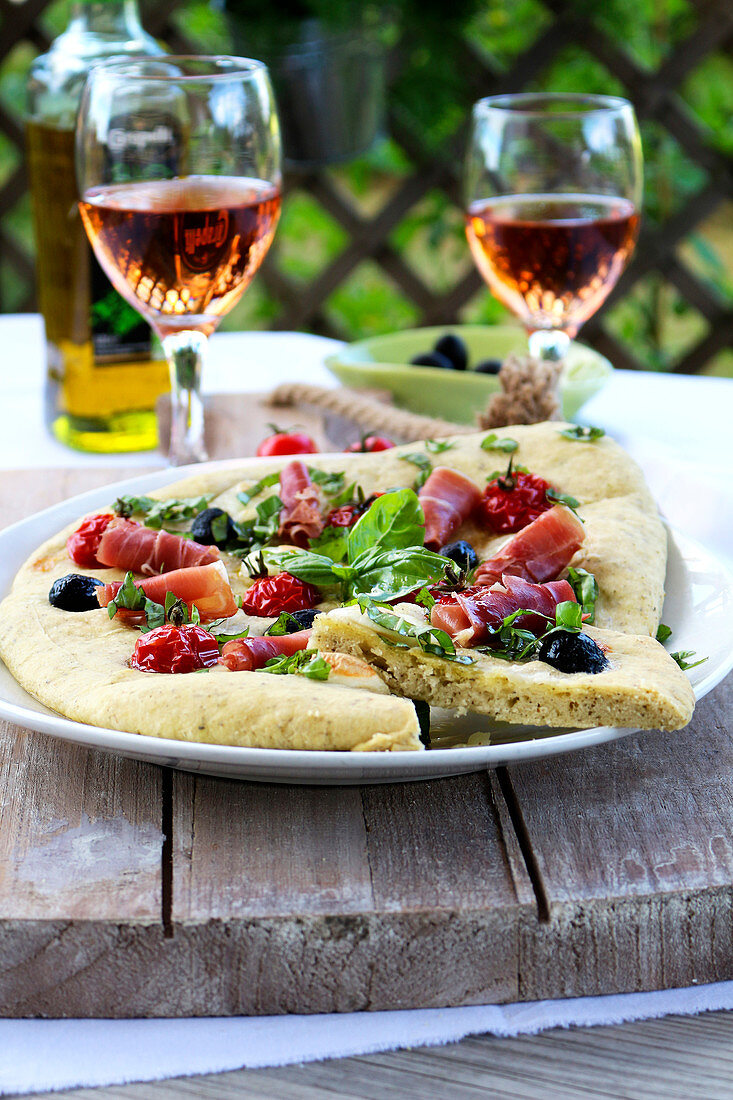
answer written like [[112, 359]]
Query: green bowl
[[383, 363]]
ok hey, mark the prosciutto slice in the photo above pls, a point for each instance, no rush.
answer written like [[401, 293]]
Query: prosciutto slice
[[130, 546], [250, 654], [448, 499], [538, 552], [300, 518], [469, 616], [207, 586]]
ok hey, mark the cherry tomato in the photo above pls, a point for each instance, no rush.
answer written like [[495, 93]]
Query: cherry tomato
[[287, 443], [175, 649], [370, 443], [514, 500], [347, 514], [283, 592], [83, 544]]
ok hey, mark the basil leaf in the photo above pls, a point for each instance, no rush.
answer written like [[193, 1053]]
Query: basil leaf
[[331, 543], [220, 528], [423, 464], [493, 443], [352, 494], [158, 512], [425, 599], [313, 568], [267, 524], [304, 663], [569, 616], [395, 520], [222, 639], [663, 632], [430, 639], [681, 658], [387, 574], [438, 446], [132, 598], [246, 495], [557, 497], [330, 483], [283, 625], [580, 434], [586, 590]]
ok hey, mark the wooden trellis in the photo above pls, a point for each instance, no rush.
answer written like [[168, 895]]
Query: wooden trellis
[[655, 96]]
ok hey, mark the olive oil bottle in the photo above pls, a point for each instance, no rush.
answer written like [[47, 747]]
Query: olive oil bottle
[[102, 380]]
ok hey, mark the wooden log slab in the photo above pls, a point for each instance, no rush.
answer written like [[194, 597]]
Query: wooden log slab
[[127, 889]]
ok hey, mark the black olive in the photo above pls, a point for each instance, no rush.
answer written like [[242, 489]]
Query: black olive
[[201, 528], [422, 710], [488, 366], [453, 348], [568, 652], [432, 359], [462, 553], [75, 592], [304, 618]]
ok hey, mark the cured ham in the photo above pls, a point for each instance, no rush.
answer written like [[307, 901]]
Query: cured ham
[[539, 552], [130, 546], [470, 616], [250, 654], [448, 499], [206, 586], [300, 518]]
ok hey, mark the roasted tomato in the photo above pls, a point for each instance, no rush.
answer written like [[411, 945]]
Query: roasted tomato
[[82, 546], [512, 501], [175, 649], [347, 514], [270, 595], [371, 443], [287, 443]]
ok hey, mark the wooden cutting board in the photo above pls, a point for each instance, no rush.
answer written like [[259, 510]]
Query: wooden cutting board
[[131, 890]]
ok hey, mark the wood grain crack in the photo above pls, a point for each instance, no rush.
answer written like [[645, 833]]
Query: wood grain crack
[[525, 844]]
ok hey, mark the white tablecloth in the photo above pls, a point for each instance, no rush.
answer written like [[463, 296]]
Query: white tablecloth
[[678, 428]]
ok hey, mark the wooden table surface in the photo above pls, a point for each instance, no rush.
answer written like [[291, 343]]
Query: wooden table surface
[[609, 869]]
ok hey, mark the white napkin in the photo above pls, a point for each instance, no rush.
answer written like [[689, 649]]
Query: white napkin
[[36, 1055]]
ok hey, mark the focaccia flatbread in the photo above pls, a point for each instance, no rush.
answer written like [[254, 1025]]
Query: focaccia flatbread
[[77, 664]]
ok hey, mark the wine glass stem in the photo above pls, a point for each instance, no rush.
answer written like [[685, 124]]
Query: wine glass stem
[[548, 344], [185, 354]]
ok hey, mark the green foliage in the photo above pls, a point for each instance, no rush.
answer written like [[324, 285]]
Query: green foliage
[[430, 92]]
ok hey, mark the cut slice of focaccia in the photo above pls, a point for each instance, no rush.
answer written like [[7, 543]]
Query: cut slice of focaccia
[[642, 687]]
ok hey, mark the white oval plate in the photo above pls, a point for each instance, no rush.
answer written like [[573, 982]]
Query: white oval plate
[[698, 607]]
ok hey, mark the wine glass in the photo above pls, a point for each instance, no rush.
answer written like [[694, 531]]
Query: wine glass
[[178, 165], [553, 190]]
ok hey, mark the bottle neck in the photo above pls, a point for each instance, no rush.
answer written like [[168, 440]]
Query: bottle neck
[[117, 18]]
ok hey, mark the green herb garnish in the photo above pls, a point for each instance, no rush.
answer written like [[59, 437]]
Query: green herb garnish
[[681, 658], [493, 443], [580, 434], [267, 524], [331, 543], [331, 484], [663, 632], [246, 495], [429, 638], [385, 556], [423, 464], [131, 597], [304, 663], [283, 625], [157, 512], [438, 446], [585, 587], [556, 497]]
